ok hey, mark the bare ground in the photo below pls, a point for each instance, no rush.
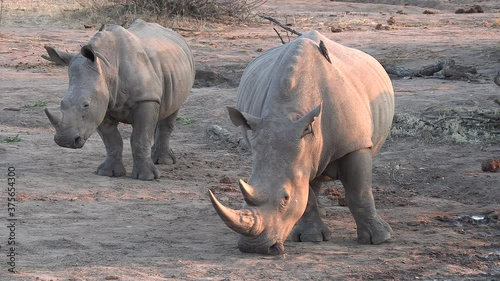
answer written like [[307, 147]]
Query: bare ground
[[75, 225]]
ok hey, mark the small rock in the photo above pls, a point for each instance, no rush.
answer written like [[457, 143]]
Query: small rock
[[497, 79], [260, 50], [490, 165], [225, 180], [342, 202], [336, 29], [381, 26], [430, 12], [391, 21], [473, 10]]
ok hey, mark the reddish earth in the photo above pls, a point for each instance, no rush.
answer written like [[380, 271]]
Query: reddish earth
[[428, 185]]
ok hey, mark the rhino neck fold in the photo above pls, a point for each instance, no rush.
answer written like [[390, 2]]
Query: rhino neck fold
[[108, 50]]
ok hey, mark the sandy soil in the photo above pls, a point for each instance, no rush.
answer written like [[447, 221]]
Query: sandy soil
[[74, 225]]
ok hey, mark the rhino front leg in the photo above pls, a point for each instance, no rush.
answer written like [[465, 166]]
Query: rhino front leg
[[310, 227], [161, 152], [145, 117], [356, 175], [113, 165]]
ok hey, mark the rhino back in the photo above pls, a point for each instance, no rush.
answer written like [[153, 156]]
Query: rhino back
[[146, 62], [171, 60], [290, 80]]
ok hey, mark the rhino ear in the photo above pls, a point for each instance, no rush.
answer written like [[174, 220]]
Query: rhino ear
[[88, 52], [304, 123], [243, 119], [58, 57]]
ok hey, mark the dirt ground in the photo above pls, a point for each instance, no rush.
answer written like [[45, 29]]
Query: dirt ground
[[428, 184]]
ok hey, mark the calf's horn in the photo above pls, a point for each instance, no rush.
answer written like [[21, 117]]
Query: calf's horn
[[55, 119], [245, 222]]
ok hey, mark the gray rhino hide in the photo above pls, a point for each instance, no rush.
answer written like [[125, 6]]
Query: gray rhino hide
[[140, 76]]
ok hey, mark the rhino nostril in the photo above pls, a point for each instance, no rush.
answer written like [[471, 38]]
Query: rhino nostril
[[78, 141], [277, 249]]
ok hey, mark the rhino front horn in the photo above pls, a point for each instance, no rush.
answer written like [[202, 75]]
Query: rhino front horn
[[246, 222], [55, 119]]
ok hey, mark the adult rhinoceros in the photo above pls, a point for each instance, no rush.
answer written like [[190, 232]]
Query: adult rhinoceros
[[310, 114], [139, 76]]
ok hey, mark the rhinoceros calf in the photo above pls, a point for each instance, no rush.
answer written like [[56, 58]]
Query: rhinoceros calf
[[139, 76], [310, 114]]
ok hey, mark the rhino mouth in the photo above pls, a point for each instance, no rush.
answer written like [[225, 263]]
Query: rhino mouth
[[75, 142], [271, 247]]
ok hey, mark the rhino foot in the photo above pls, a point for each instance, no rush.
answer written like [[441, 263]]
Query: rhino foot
[[167, 158], [145, 171], [310, 231], [111, 169], [375, 231]]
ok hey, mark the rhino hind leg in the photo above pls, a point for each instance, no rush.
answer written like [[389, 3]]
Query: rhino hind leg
[[356, 176], [310, 227], [144, 123], [113, 165], [161, 152]]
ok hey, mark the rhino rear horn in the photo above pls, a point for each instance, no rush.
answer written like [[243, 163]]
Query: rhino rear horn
[[245, 221], [55, 118], [250, 195]]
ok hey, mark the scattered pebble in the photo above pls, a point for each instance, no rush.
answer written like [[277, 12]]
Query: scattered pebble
[[391, 21], [473, 10], [336, 29], [430, 12], [226, 180], [382, 27]]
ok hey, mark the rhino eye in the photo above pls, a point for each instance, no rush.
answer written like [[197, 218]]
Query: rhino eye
[[86, 104], [285, 200]]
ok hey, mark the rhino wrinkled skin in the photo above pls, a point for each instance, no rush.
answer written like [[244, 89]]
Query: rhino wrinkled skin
[[139, 76], [309, 115]]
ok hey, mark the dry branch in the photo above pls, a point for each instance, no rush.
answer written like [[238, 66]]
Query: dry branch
[[451, 70], [428, 70], [281, 25], [282, 41]]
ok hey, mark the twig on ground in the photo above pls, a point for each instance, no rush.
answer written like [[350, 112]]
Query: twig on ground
[[491, 116]]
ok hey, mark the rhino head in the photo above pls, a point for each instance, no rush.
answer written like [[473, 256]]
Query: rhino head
[[84, 106], [285, 157]]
